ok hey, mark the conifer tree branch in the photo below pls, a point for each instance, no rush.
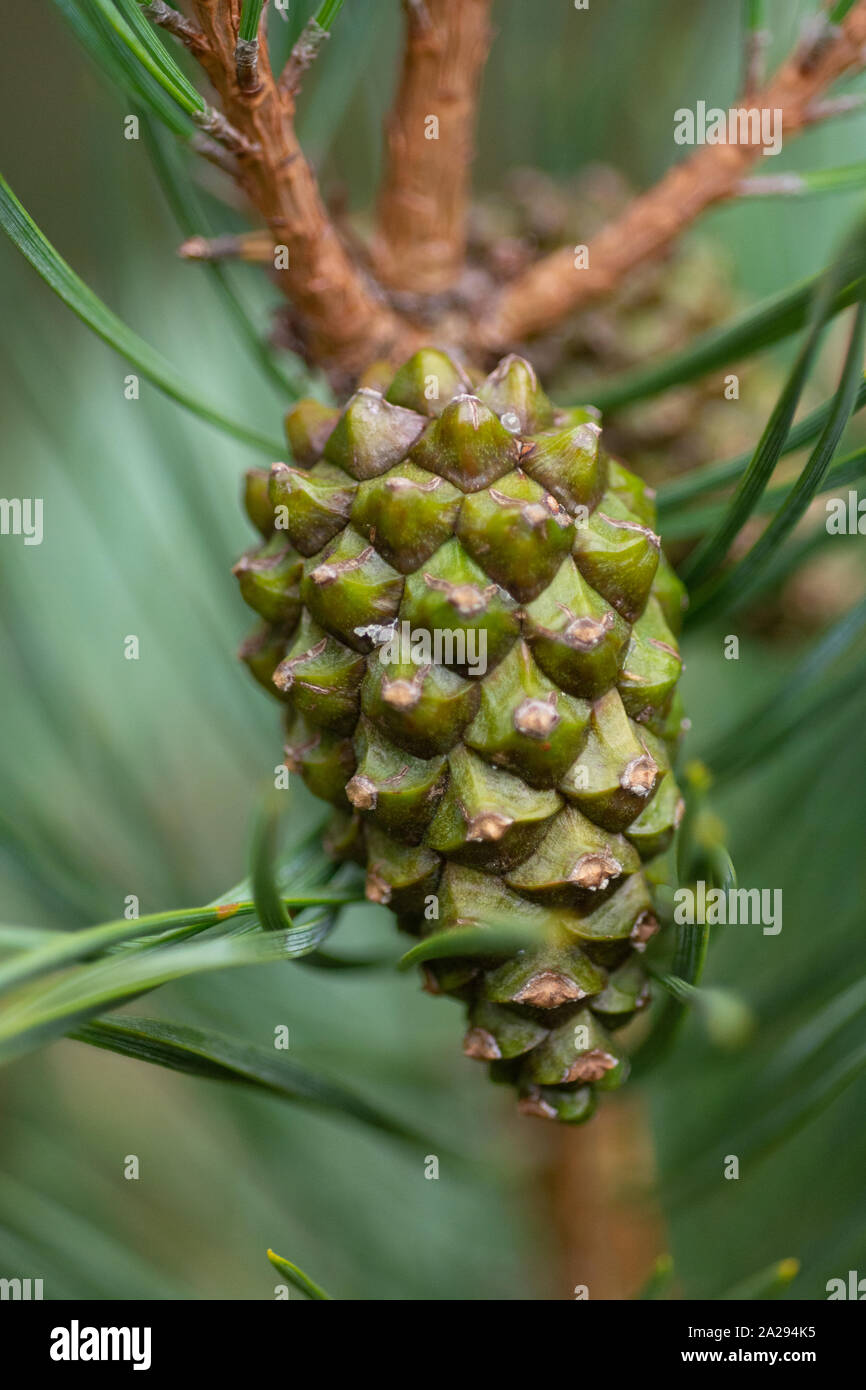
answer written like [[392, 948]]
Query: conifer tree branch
[[256, 247], [757, 39], [217, 154], [420, 240], [306, 49], [558, 284], [247, 65], [608, 1225], [158, 12], [303, 55], [835, 106], [342, 320]]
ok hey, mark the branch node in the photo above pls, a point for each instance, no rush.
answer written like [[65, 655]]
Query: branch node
[[418, 17], [247, 66], [158, 12], [343, 322], [816, 36], [420, 241], [215, 154], [835, 106], [214, 123], [765, 184], [542, 295], [302, 56], [256, 247], [754, 67]]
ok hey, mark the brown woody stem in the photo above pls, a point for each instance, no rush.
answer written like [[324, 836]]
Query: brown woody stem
[[302, 56], [214, 123], [835, 106], [343, 322], [554, 287], [247, 65], [182, 28], [420, 241], [217, 154], [757, 43], [256, 247], [606, 1219]]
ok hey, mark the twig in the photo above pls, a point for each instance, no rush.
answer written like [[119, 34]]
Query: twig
[[184, 29], [256, 247], [755, 46], [835, 106], [247, 47], [247, 65], [420, 240], [607, 1220], [343, 321], [310, 40], [554, 287], [755, 64], [818, 33], [217, 154], [754, 67], [302, 56], [214, 123], [771, 184]]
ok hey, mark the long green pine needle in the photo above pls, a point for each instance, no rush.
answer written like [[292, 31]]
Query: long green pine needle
[[212, 1056], [714, 546], [737, 582], [36, 1015], [766, 1284], [251, 14], [850, 260], [183, 199], [263, 866], [62, 279], [795, 700], [114, 60], [142, 41], [800, 185], [297, 1277], [712, 476], [769, 322], [697, 521]]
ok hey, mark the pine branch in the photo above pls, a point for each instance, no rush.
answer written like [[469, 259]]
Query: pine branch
[[553, 287], [812, 181], [215, 154], [757, 38], [737, 582], [175, 23], [607, 1222], [256, 247], [343, 322], [247, 47], [421, 236], [833, 107], [62, 279], [306, 50], [187, 208]]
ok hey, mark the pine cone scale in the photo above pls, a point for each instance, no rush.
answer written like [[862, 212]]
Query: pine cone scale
[[470, 623]]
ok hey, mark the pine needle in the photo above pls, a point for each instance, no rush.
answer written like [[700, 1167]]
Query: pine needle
[[62, 279]]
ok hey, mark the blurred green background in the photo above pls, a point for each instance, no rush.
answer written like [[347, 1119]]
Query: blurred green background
[[140, 777]]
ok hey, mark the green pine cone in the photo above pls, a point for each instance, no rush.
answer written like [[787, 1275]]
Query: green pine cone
[[469, 620]]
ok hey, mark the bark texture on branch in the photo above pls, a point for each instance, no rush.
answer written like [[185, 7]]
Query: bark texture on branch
[[343, 321], [553, 288], [176, 23], [607, 1223], [421, 239]]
